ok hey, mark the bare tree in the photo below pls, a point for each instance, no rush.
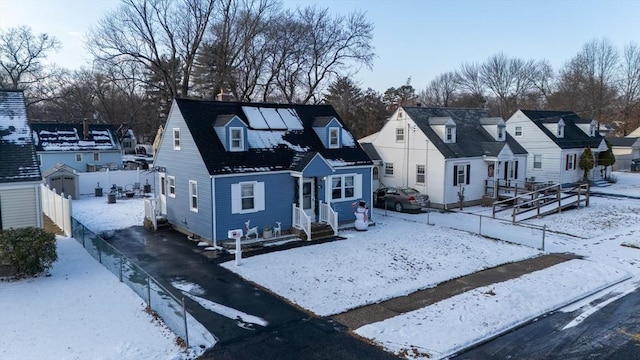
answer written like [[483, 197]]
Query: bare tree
[[330, 46], [470, 82], [21, 56], [441, 90], [587, 81], [509, 79], [629, 89], [162, 35]]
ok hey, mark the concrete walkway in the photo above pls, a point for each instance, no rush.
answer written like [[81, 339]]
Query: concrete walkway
[[368, 314]]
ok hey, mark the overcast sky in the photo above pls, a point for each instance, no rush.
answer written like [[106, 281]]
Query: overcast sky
[[413, 38]]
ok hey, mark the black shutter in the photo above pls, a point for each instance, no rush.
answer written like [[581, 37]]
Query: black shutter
[[468, 174], [455, 175], [506, 170], [516, 170]]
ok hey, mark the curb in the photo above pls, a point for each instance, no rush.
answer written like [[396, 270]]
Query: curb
[[532, 319]]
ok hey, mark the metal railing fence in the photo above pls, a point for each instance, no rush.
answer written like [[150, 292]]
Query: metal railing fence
[[169, 308]]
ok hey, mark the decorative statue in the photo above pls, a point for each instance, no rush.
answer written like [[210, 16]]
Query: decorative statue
[[361, 212]]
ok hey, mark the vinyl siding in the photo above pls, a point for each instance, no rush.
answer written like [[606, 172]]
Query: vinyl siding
[[185, 164], [19, 206], [279, 197], [344, 208], [49, 159]]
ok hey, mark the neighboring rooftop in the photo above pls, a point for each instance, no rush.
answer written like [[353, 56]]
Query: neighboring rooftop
[[573, 137], [71, 137], [18, 161]]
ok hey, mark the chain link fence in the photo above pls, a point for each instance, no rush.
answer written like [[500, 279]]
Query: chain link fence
[[159, 300]]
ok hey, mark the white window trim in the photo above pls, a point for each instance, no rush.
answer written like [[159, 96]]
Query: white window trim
[[239, 147], [534, 161], [518, 131], [171, 188], [387, 166], [357, 187], [450, 134], [560, 133], [78, 157], [501, 133], [423, 173], [193, 195], [400, 134], [176, 144], [96, 156], [258, 197], [335, 130]]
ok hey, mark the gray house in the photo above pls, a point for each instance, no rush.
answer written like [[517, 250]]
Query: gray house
[[84, 147], [20, 177], [227, 165]]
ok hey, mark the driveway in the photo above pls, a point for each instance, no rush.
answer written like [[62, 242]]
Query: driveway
[[291, 333]]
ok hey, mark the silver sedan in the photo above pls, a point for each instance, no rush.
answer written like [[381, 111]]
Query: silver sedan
[[401, 199]]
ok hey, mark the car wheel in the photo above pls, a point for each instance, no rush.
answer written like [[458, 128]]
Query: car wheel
[[398, 207]]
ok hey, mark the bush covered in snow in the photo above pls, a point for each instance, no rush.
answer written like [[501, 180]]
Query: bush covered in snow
[[27, 251]]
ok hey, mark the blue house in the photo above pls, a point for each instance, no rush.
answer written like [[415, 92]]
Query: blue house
[[82, 146], [223, 164]]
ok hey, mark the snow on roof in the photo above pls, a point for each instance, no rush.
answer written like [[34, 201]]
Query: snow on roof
[[68, 137], [13, 119], [260, 139], [263, 118]]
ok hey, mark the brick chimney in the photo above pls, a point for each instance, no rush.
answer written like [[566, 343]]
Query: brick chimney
[[85, 128]]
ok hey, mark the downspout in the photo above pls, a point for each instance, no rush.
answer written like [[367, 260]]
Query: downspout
[[38, 207], [212, 182], [444, 184]]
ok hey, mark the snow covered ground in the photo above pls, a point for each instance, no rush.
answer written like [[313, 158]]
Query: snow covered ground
[[79, 311], [402, 254], [82, 311]]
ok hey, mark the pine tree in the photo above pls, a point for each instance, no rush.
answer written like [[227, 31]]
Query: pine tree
[[586, 161]]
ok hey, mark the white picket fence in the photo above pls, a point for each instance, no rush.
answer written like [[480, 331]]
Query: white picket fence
[[57, 208]]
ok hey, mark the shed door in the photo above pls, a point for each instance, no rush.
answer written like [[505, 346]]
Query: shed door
[[162, 179], [63, 184]]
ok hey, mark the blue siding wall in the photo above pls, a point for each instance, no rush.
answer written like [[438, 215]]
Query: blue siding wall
[[279, 194], [49, 159], [344, 208], [185, 164], [317, 167]]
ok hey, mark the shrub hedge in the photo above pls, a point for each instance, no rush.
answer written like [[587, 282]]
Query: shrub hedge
[[28, 251]]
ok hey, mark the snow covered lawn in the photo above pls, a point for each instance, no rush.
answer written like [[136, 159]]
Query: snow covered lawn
[[393, 258], [81, 311], [484, 312]]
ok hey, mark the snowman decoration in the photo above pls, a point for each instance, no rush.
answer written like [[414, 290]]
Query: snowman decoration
[[361, 212]]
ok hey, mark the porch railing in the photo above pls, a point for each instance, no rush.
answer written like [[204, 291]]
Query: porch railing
[[150, 211], [301, 220], [329, 216]]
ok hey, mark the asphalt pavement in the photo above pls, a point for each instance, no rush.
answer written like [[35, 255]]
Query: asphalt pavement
[[291, 333]]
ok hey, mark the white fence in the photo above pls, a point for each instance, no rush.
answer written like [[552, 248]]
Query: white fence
[[88, 181], [57, 208]]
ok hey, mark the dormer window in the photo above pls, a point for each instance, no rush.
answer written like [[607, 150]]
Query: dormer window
[[560, 131], [501, 133], [399, 134], [450, 134], [592, 129], [334, 137], [236, 140]]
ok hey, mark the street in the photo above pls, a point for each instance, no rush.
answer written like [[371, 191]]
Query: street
[[613, 332]]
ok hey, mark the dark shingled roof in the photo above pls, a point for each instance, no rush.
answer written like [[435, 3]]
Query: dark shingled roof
[[622, 141], [472, 140], [70, 137], [573, 138], [199, 116], [371, 151], [18, 160]]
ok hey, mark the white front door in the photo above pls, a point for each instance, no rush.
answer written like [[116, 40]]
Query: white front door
[[162, 179], [308, 198]]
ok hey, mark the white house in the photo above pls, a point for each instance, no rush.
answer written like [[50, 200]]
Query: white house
[[555, 140], [19, 172], [444, 152]]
